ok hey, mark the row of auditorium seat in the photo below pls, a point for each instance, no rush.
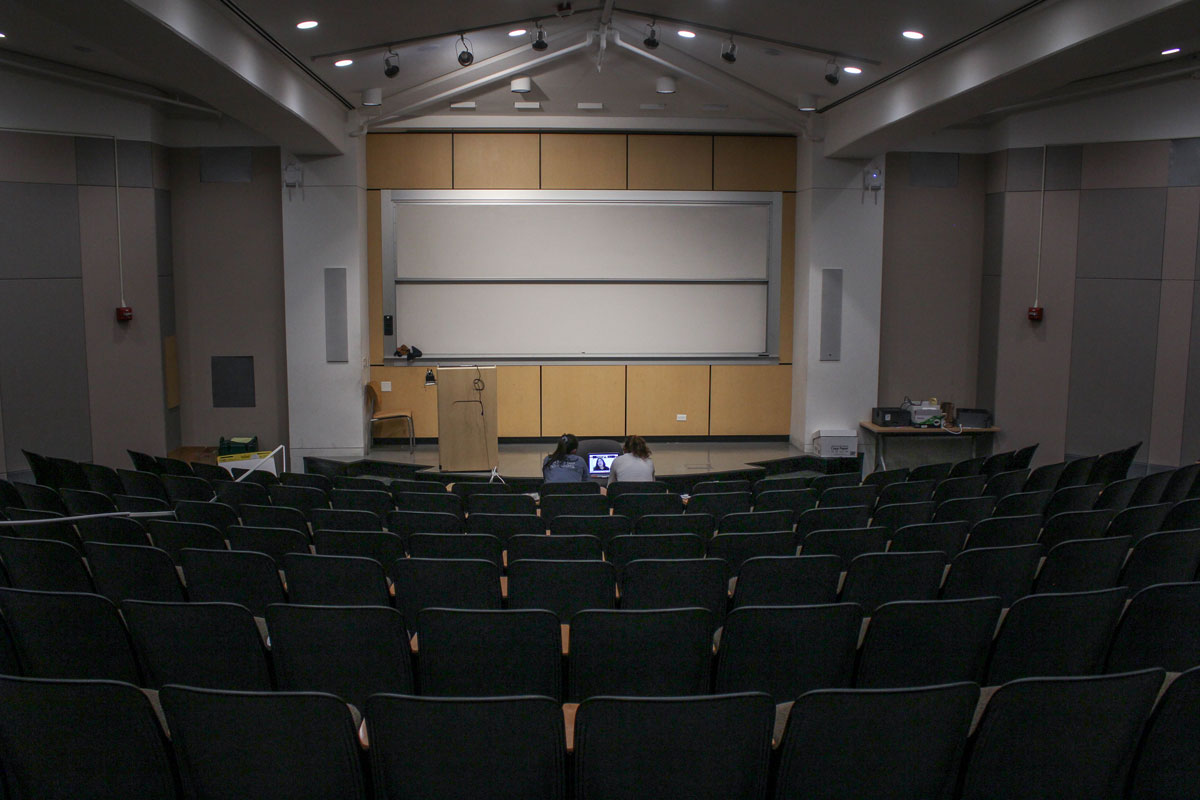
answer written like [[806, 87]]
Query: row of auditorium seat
[[1064, 738]]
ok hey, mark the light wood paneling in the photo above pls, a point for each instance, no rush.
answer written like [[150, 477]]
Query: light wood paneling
[[408, 393], [374, 278], [409, 161], [583, 160], [658, 393], [750, 400], [496, 161], [670, 162], [519, 395], [584, 400], [787, 278], [754, 163]]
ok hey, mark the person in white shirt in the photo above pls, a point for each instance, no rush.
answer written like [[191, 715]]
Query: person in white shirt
[[633, 464]]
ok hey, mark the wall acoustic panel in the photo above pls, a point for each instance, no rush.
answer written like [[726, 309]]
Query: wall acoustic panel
[[39, 226], [34, 158], [375, 288], [750, 400], [583, 400], [410, 161], [831, 315], [519, 399], [496, 161], [1112, 364], [583, 160], [1180, 233], [1191, 418], [1121, 233], [44, 381], [233, 381], [337, 331], [657, 395], [670, 162], [1170, 373]]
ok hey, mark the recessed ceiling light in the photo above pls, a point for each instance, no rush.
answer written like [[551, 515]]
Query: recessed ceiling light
[[344, 62], [688, 34], [1170, 51], [518, 32], [913, 35], [3, 36], [852, 70], [307, 24], [464, 105], [590, 106]]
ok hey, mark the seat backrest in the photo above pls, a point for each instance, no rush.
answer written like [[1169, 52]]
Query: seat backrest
[[729, 485], [461, 545], [909, 491], [44, 565], [37, 497], [965, 509], [718, 504], [274, 542], [1158, 629], [465, 489], [1166, 557], [1055, 634], [580, 547], [215, 645], [682, 583], [619, 488], [1045, 477], [757, 521], [1166, 764], [1076, 472], [635, 505], [1116, 495], [275, 516], [1003, 484], [576, 505], [787, 581], [1004, 572], [79, 502], [335, 580], [778, 483], [399, 487], [569, 487], [1138, 521], [309, 479], [1183, 515], [68, 635], [349, 519], [406, 522], [505, 526], [1080, 497], [861, 495], [442, 502], [831, 518], [218, 515], [997, 463], [948, 537], [900, 515], [955, 488], [845, 543], [140, 483], [968, 468], [357, 483], [823, 483], [501, 504], [45, 525], [422, 746], [1182, 484], [795, 500], [144, 462], [640, 653], [349, 651], [1076, 735], [624, 549], [125, 572], [302, 498], [1083, 565], [87, 738], [873, 579], [875, 743], [922, 643], [786, 651], [1150, 488], [604, 527], [997, 531], [444, 583], [660, 524], [1075, 525], [102, 479], [735, 548], [562, 587], [376, 501], [886, 477], [1022, 504], [1024, 457], [174, 537], [248, 744], [490, 653], [187, 487], [1113, 466], [112, 530], [227, 576], [705, 748], [382, 546]]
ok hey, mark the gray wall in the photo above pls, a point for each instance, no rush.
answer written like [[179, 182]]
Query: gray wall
[[75, 383], [1113, 362]]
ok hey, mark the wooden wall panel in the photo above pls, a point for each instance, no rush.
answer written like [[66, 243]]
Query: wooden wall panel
[[672, 162], [409, 161], [408, 392], [658, 393], [519, 395], [496, 161], [374, 278], [754, 163], [787, 278], [584, 400], [583, 160], [750, 400]]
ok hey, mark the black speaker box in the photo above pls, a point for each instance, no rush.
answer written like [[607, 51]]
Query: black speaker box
[[891, 417]]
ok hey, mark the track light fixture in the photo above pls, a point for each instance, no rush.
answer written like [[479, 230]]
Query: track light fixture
[[463, 46], [651, 40], [539, 38], [831, 73], [391, 67], [729, 51]]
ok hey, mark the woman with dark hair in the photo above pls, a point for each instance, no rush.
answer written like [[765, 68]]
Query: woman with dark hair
[[564, 465], [634, 463]]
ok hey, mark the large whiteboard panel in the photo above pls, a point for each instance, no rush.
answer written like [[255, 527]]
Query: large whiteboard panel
[[582, 321]]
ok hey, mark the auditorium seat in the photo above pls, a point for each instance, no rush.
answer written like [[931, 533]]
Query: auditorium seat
[[1003, 484], [444, 583], [36, 497], [44, 565], [275, 542], [80, 502], [275, 516], [699, 748], [1075, 525], [1158, 629], [301, 498], [1150, 488], [882, 477], [1081, 497], [660, 524], [458, 545], [187, 487], [1184, 515], [112, 530], [218, 515], [134, 504], [1076, 472], [968, 468], [637, 505], [376, 501], [845, 543], [575, 505], [505, 526], [580, 547], [965, 509], [442, 502], [335, 580], [173, 537], [873, 579], [959, 487], [307, 479], [382, 546], [735, 548], [947, 537], [831, 518], [862, 495], [787, 581], [1116, 495], [718, 504], [1083, 565], [1138, 521], [481, 503], [1004, 572], [1182, 484], [683, 583], [173, 466], [1021, 504], [822, 483], [229, 576], [909, 491], [1167, 767], [347, 519], [1045, 478], [895, 516], [1002, 531], [1165, 557], [562, 587], [143, 484], [124, 572], [102, 479], [406, 522], [757, 522], [624, 549]]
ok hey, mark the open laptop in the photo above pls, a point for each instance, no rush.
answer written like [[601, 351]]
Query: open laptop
[[600, 464]]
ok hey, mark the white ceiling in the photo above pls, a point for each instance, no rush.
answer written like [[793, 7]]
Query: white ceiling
[[176, 48]]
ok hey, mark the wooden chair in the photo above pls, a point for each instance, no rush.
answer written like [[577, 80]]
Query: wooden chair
[[378, 415]]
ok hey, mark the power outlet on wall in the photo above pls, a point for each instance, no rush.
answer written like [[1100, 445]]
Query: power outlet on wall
[[385, 386], [681, 417]]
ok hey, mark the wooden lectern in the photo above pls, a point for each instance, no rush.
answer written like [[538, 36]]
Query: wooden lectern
[[467, 419]]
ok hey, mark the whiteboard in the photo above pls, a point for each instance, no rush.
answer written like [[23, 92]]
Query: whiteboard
[[583, 275]]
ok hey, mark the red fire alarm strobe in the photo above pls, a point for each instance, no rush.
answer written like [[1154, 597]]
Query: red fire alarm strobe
[[1035, 313], [124, 313]]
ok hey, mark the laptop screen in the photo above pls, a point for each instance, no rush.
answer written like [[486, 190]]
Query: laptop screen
[[600, 463]]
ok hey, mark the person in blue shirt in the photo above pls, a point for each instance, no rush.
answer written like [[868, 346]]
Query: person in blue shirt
[[565, 465]]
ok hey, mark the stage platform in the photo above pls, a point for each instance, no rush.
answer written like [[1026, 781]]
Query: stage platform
[[679, 464]]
